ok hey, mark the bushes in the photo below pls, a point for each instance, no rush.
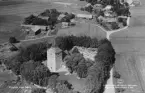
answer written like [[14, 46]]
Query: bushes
[[36, 52], [116, 75], [49, 12], [13, 40], [89, 9], [39, 21], [29, 19], [33, 20], [73, 61], [63, 86], [37, 73], [13, 48], [82, 71], [67, 17], [78, 64], [38, 90]]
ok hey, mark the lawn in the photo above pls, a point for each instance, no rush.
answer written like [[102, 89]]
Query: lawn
[[77, 84]]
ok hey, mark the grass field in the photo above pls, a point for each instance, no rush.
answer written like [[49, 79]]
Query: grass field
[[130, 48], [83, 30], [13, 12]]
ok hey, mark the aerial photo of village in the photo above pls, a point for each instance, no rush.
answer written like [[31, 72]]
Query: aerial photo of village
[[72, 46]]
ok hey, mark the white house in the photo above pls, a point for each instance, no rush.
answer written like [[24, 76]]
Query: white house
[[43, 17], [108, 7], [61, 16], [65, 24], [89, 4], [84, 16], [34, 27]]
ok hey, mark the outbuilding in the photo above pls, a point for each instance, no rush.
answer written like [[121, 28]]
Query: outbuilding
[[84, 16]]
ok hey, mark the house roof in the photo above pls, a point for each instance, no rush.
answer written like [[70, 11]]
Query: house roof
[[110, 19], [35, 28], [84, 15], [58, 50], [108, 7], [98, 6], [107, 19], [88, 53], [43, 17]]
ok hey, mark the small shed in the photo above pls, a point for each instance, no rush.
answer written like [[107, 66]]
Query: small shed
[[85, 16], [65, 24], [36, 30], [44, 17], [108, 7], [61, 16]]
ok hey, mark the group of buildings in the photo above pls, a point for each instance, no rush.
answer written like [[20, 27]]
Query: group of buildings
[[41, 29]]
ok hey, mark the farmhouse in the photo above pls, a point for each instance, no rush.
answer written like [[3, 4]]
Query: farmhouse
[[108, 7], [65, 24], [84, 16], [61, 16], [43, 17], [36, 30], [44, 28]]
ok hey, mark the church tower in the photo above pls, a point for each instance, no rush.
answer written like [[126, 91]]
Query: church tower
[[51, 59]]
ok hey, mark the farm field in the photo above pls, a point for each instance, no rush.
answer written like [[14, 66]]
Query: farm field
[[130, 51]]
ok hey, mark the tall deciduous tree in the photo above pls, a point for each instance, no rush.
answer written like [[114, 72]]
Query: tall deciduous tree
[[38, 91]]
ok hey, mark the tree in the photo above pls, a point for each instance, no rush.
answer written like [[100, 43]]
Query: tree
[[114, 25], [52, 81], [39, 21], [13, 48], [64, 86], [38, 90], [116, 75], [73, 61], [15, 66], [41, 75], [29, 19], [36, 52], [27, 69], [82, 71], [89, 9], [61, 43], [13, 40]]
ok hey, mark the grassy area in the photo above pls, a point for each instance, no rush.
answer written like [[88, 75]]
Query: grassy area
[[12, 16], [130, 74], [11, 2], [83, 29], [78, 85], [10, 26]]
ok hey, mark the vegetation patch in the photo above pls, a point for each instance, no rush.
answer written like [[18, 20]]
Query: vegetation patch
[[96, 73]]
